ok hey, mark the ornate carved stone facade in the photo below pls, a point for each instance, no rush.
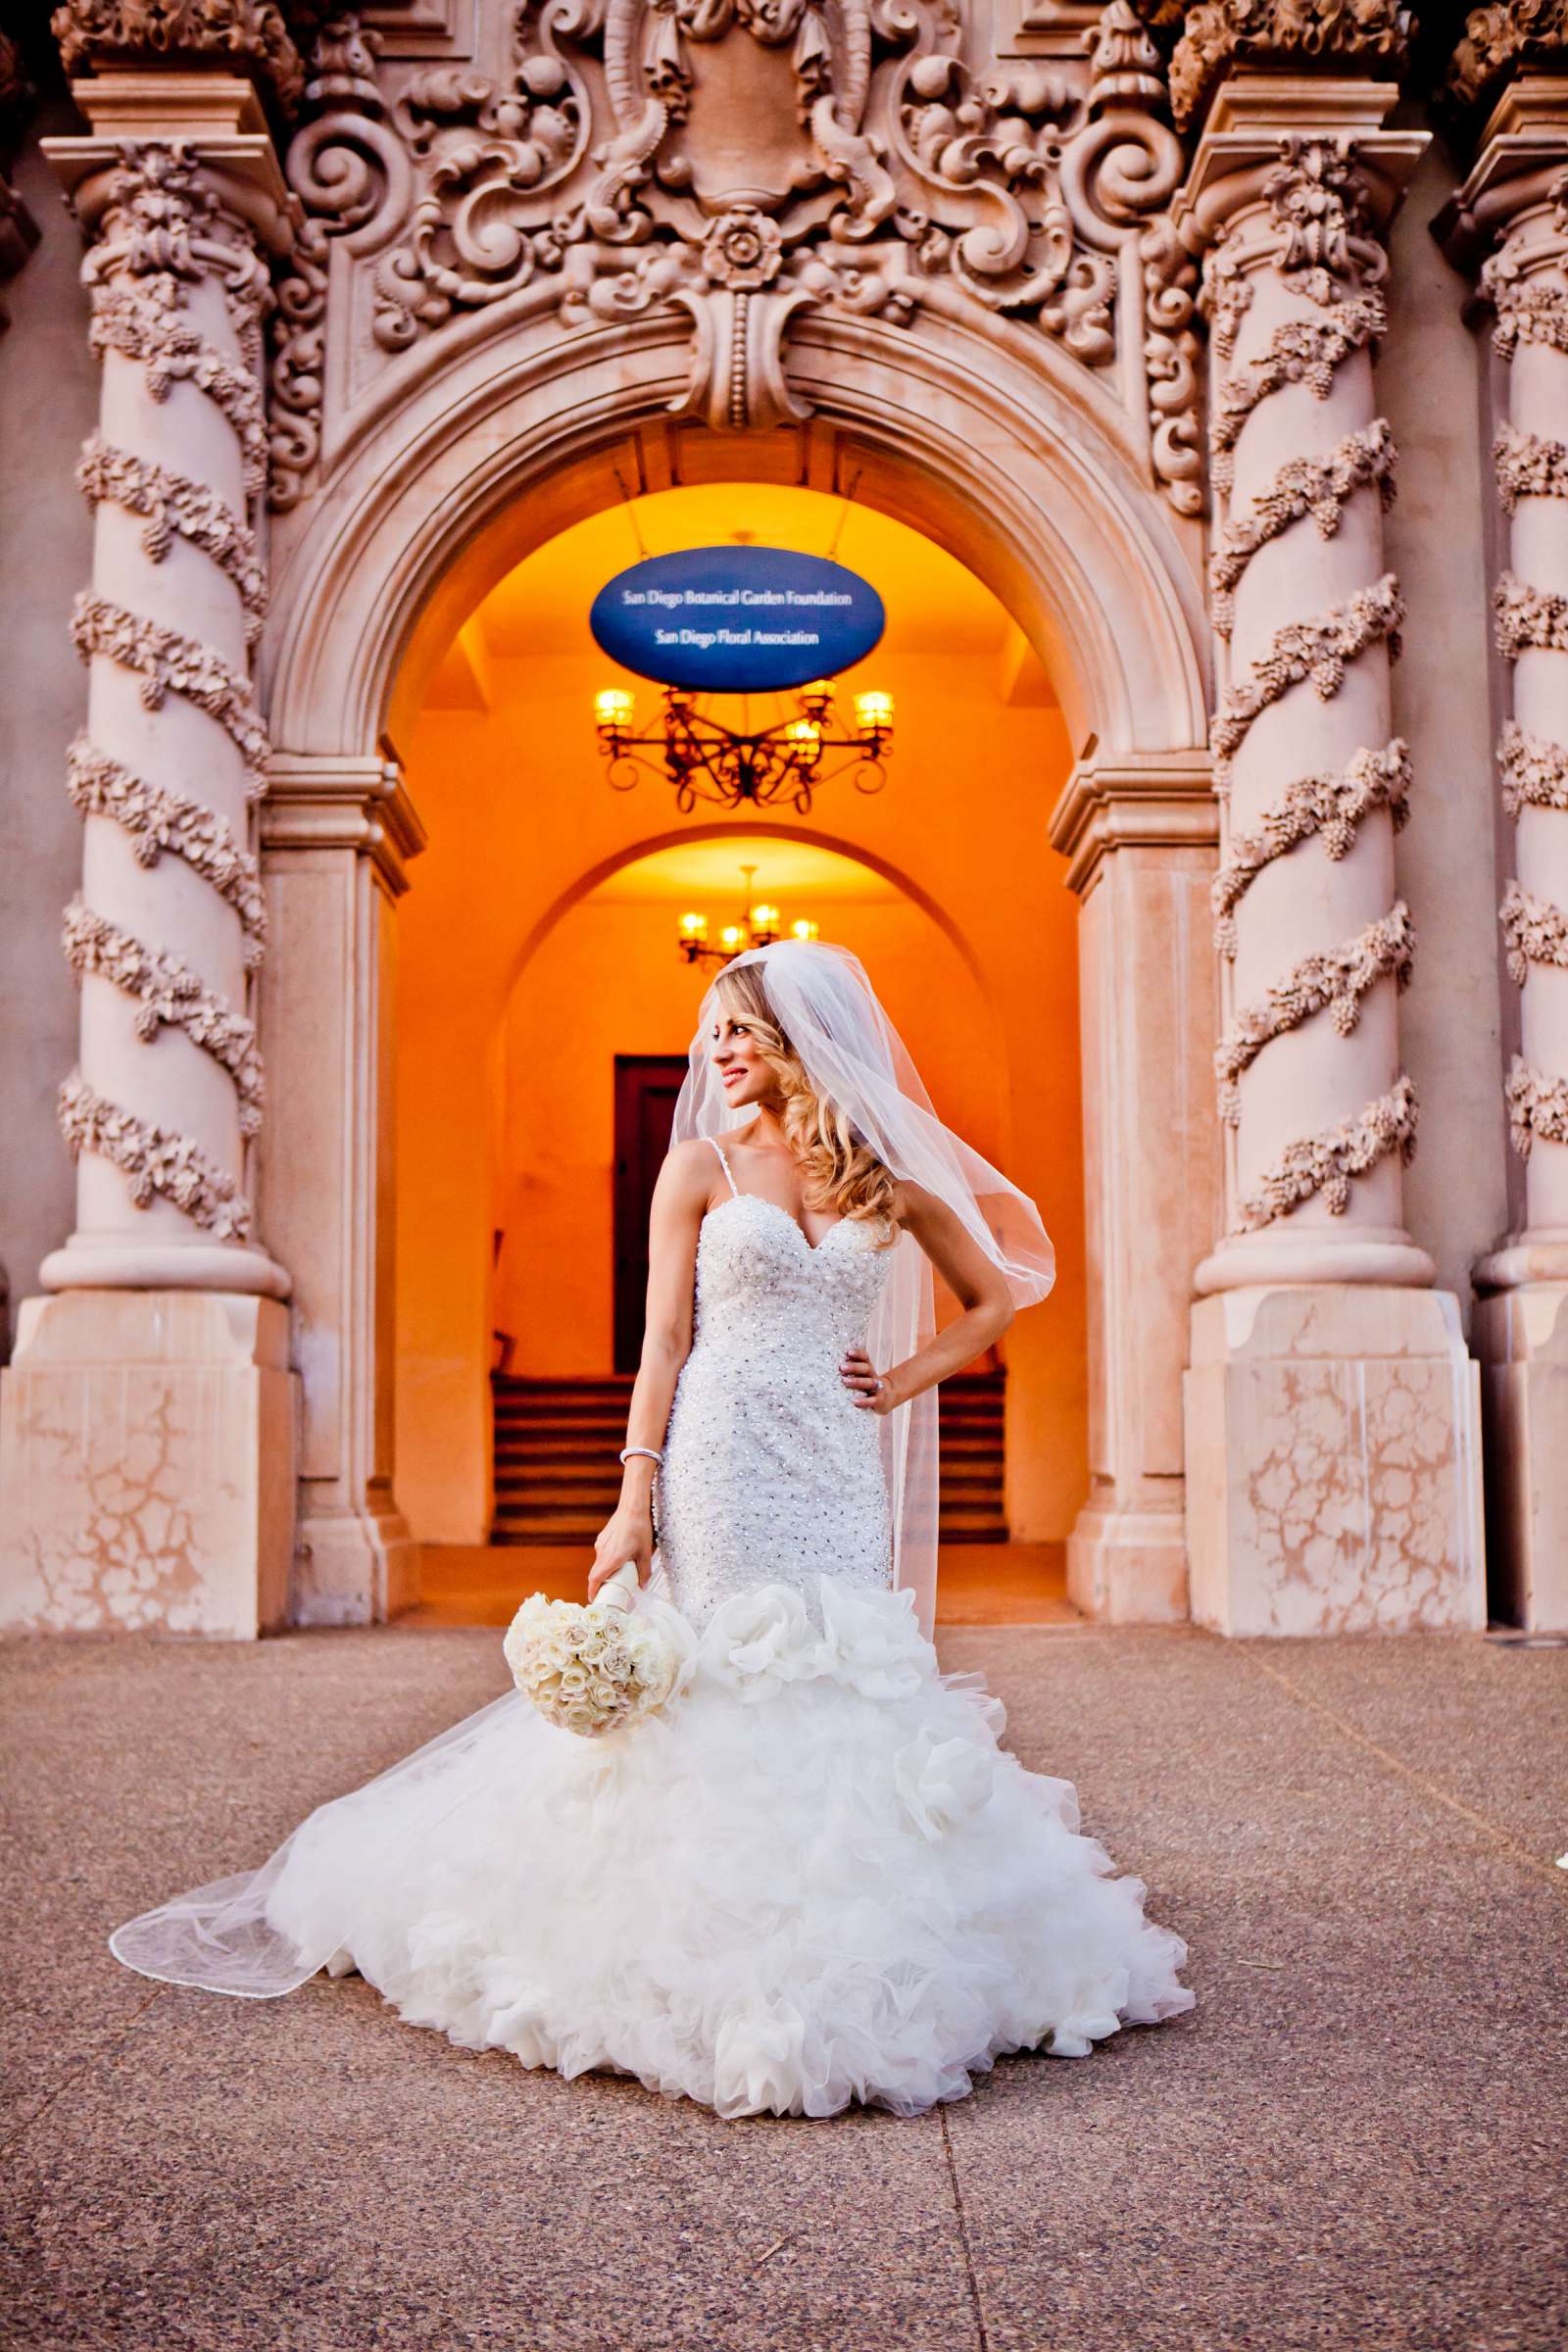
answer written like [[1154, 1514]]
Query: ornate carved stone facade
[[360, 278], [888, 165]]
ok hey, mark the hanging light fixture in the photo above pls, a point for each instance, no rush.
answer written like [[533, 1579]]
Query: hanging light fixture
[[707, 761], [759, 925]]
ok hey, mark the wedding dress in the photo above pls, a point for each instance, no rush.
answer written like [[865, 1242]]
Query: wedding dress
[[817, 1878]]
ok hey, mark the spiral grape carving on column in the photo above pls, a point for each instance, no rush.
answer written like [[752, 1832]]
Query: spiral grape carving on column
[[1526, 284], [178, 292], [1308, 253]]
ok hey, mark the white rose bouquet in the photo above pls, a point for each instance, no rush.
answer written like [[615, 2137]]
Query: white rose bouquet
[[598, 1666]]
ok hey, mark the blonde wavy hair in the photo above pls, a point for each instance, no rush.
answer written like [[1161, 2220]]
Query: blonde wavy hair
[[842, 1171]]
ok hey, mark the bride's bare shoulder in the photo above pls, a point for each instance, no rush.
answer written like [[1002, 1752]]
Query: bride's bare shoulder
[[689, 1166]]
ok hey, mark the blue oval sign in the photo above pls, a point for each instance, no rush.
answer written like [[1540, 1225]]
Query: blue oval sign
[[737, 619]]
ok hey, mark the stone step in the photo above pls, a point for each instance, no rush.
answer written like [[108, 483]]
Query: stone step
[[556, 1475]]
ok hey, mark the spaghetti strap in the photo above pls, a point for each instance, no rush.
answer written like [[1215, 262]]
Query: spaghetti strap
[[724, 1162]]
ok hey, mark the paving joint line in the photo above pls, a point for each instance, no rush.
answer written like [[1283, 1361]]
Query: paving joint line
[[114, 2044], [1490, 1829], [982, 2336]]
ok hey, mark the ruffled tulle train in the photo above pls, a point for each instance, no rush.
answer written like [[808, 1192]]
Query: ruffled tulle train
[[816, 1878]]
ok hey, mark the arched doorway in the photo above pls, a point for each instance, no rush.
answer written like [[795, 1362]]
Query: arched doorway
[[541, 977], [1019, 478]]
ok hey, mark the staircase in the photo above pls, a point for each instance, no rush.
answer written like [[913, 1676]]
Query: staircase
[[556, 1477]]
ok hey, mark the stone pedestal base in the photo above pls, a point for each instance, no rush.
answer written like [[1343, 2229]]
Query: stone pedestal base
[[1333, 1462], [147, 1464], [354, 1567], [1128, 1567], [1522, 1338]]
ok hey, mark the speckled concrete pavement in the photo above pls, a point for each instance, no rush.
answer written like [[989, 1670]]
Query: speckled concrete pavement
[[1355, 2139]]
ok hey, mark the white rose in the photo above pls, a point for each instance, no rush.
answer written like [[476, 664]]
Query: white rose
[[943, 1782], [870, 1640], [759, 1640]]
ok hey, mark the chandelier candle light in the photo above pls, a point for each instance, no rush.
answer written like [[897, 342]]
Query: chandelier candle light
[[735, 768], [759, 926]]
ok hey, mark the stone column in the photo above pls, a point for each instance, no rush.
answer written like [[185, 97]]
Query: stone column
[[1331, 1432], [336, 835], [148, 1423], [1513, 210], [1139, 834]]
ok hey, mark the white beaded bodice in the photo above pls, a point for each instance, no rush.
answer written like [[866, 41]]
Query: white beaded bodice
[[773, 1473]]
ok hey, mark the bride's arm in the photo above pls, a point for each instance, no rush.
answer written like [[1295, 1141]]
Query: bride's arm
[[974, 1280], [680, 1196]]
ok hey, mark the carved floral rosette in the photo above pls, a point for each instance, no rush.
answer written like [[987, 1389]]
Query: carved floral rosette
[[741, 163]]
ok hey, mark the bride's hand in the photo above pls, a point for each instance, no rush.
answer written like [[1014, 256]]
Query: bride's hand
[[628, 1535], [871, 1389]]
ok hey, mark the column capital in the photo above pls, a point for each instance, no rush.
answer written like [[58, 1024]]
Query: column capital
[[1519, 169], [182, 145], [1133, 800], [1296, 161], [344, 800]]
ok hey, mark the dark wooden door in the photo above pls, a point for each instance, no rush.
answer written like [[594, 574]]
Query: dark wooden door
[[645, 1088]]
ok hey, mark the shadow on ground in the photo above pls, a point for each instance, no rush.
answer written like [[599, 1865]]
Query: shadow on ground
[[1355, 2139]]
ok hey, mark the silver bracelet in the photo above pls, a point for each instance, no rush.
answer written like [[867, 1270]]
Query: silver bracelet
[[651, 1451]]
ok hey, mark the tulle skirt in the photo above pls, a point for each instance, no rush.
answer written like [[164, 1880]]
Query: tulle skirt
[[816, 1878]]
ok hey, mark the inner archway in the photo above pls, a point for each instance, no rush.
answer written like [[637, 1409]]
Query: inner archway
[[538, 948]]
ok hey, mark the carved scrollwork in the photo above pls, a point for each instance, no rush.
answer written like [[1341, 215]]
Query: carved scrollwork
[[352, 173], [746, 161]]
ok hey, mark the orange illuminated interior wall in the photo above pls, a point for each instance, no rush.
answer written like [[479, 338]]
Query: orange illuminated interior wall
[[538, 940]]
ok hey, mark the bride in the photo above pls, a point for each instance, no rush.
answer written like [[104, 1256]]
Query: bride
[[817, 1876]]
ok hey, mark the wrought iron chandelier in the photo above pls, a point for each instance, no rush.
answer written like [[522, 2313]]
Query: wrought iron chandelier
[[759, 925], [707, 761]]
